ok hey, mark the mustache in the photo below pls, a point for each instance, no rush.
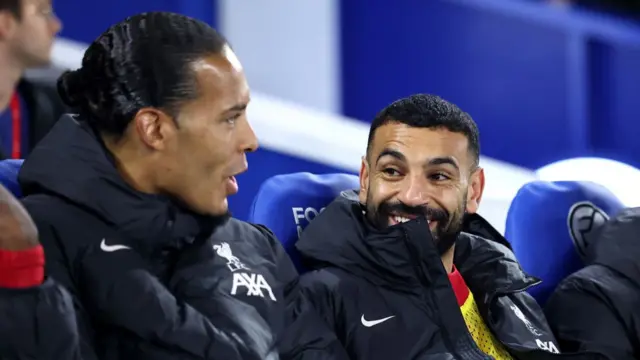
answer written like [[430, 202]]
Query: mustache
[[398, 207]]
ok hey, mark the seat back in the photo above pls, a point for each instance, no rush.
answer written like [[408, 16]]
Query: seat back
[[551, 224], [287, 203], [9, 175]]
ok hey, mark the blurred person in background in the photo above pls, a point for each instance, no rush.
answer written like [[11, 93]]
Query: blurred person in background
[[130, 200], [29, 303], [598, 308], [28, 107], [396, 277]]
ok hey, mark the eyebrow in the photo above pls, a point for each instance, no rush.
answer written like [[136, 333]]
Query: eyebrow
[[238, 107], [442, 160], [393, 153]]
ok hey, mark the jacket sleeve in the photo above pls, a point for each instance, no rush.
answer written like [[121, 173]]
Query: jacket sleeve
[[38, 323], [306, 335], [584, 321], [38, 319], [56, 269]]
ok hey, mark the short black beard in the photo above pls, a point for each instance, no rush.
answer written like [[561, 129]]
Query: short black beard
[[444, 235]]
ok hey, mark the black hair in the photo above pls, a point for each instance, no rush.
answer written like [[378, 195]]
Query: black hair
[[429, 111], [12, 6], [140, 62]]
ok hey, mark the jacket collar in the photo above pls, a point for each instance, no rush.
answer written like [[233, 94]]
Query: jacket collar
[[404, 257]]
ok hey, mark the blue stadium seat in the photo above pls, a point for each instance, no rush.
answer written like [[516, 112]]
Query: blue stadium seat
[[9, 175], [286, 203], [550, 226]]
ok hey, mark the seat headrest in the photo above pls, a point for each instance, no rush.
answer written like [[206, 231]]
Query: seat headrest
[[9, 175], [287, 203], [551, 224]]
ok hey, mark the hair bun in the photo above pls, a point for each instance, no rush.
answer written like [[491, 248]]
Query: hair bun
[[72, 89]]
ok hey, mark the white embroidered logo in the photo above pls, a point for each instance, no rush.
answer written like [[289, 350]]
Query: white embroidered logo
[[547, 346], [254, 283], [526, 321], [111, 248], [370, 323], [233, 263]]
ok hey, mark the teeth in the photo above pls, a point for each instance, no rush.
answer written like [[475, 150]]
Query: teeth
[[400, 219]]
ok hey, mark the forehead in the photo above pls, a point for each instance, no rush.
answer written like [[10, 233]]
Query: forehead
[[419, 144], [221, 80], [35, 2]]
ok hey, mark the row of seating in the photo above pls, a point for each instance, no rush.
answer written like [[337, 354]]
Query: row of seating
[[549, 224]]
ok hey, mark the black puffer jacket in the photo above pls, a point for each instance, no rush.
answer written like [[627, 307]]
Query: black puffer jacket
[[38, 323], [362, 274], [598, 307]]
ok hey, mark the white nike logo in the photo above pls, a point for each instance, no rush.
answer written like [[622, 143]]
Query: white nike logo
[[112, 248], [374, 322]]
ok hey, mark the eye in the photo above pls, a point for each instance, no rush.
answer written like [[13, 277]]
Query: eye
[[45, 10], [439, 177], [232, 120], [391, 172]]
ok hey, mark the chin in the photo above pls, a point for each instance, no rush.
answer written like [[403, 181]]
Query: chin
[[219, 208], [39, 61]]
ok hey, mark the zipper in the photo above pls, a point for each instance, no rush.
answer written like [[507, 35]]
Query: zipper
[[475, 352]]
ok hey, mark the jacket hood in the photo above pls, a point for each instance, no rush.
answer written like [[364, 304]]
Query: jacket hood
[[341, 237], [72, 163], [618, 245]]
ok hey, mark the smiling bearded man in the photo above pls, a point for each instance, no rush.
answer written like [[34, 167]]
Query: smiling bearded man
[[395, 275]]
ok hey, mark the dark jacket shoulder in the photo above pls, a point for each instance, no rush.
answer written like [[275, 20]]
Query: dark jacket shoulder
[[606, 292]]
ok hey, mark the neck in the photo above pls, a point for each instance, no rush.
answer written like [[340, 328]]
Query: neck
[[447, 259], [133, 168], [10, 73]]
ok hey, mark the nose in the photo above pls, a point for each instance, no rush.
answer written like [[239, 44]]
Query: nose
[[248, 139], [416, 190], [56, 24]]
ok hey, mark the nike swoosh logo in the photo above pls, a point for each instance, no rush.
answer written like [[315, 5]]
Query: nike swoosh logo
[[374, 322], [112, 248]]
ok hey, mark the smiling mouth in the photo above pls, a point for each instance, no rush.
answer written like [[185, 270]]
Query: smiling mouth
[[400, 219]]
